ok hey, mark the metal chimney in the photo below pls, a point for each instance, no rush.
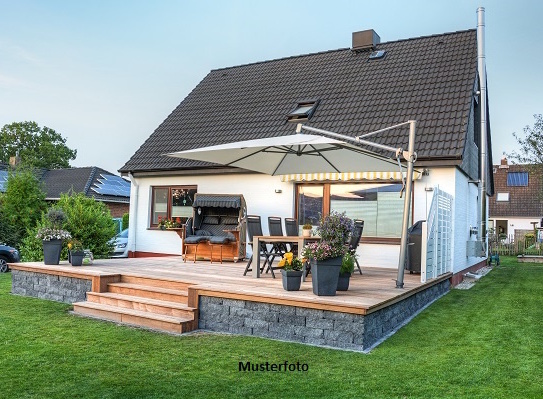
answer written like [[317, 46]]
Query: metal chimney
[[481, 66]]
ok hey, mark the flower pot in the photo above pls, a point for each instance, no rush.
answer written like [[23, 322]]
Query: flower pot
[[51, 251], [306, 232], [292, 279], [76, 258], [343, 281], [324, 276]]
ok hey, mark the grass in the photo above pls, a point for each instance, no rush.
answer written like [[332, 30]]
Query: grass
[[485, 342]]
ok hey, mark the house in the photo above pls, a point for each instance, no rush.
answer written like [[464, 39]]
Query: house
[[112, 190], [366, 87], [518, 203]]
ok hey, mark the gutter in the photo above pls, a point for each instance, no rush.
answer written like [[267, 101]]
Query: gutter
[[132, 223]]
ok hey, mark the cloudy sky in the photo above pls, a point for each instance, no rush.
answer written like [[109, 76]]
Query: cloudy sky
[[106, 73]]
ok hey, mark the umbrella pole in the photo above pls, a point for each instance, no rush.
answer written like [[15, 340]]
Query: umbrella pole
[[407, 204]]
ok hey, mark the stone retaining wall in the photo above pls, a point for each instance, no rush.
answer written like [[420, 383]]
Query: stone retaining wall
[[49, 286], [313, 326]]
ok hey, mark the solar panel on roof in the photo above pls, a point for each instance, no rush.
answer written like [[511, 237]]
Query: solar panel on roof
[[112, 185], [517, 179]]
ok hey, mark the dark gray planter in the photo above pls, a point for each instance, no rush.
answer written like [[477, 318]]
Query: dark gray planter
[[324, 276], [76, 258], [343, 281], [292, 279], [51, 252]]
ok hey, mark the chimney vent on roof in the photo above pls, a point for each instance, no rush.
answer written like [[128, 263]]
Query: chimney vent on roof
[[503, 163], [366, 39]]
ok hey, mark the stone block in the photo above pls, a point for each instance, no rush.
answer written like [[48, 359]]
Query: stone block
[[291, 320], [315, 341], [312, 313], [346, 326], [233, 303], [261, 324], [259, 306], [240, 330], [325, 324], [337, 335], [309, 332], [241, 312], [338, 315], [281, 328], [283, 309]]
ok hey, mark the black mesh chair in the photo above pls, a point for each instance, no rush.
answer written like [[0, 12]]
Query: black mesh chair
[[355, 239], [254, 228], [291, 228]]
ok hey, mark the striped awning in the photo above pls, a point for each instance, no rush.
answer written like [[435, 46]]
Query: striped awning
[[348, 176]]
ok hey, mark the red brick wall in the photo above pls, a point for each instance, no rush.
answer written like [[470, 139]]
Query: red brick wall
[[117, 210]]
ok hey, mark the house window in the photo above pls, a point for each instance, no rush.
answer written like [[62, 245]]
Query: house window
[[171, 202], [378, 204], [502, 197], [304, 110], [517, 179]]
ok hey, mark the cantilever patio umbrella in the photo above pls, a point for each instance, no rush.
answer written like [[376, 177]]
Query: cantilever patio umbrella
[[306, 153], [297, 153]]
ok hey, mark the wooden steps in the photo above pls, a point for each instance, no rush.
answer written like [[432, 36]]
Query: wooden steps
[[143, 302]]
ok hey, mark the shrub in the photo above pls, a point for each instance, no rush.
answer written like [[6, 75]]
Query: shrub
[[126, 219]]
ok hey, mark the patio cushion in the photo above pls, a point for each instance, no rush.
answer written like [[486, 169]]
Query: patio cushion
[[219, 240], [211, 220], [195, 239], [229, 220], [203, 233]]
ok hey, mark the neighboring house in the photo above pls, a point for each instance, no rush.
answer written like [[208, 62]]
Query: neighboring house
[[351, 91], [112, 190], [518, 201]]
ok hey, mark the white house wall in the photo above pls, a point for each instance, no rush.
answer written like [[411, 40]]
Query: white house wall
[[262, 199], [258, 190]]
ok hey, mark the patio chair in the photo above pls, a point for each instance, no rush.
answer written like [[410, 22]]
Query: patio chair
[[355, 239], [254, 228], [291, 228]]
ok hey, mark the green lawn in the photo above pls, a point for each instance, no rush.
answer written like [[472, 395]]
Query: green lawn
[[486, 342]]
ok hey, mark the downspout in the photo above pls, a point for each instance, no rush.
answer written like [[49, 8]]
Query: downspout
[[132, 223], [483, 158]]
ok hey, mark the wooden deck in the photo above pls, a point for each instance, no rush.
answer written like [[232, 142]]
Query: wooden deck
[[367, 293]]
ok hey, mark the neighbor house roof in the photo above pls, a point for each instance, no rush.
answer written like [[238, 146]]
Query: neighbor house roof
[[430, 79], [86, 180], [522, 200]]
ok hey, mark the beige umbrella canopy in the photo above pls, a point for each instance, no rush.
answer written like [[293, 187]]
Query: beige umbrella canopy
[[297, 153]]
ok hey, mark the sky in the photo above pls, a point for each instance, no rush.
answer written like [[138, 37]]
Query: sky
[[105, 73]]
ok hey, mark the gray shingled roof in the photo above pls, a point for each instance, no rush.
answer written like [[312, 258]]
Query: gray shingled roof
[[62, 181], [429, 79]]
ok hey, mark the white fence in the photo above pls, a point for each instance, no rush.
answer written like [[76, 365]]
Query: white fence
[[437, 235]]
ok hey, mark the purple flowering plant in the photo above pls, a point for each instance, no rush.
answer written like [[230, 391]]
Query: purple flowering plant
[[334, 230]]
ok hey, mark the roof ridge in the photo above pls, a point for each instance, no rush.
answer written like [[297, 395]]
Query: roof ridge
[[340, 49]]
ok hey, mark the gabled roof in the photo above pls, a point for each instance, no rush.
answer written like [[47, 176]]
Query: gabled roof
[[524, 201], [430, 79]]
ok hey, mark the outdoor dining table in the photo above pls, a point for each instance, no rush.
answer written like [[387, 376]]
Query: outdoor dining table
[[300, 240]]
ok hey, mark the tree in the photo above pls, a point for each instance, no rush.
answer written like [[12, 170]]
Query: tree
[[38, 147], [531, 145], [22, 204]]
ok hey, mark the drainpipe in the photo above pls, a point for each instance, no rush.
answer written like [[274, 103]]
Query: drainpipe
[[483, 158], [132, 224]]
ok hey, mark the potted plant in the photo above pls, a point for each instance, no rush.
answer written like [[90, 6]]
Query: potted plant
[[76, 252], [347, 268], [52, 235], [307, 229], [291, 271], [326, 255]]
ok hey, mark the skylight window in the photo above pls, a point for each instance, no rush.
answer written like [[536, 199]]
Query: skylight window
[[517, 179], [304, 110], [377, 54]]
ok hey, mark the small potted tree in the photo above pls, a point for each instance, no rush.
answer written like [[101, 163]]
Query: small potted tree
[[76, 252], [291, 271], [307, 229]]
